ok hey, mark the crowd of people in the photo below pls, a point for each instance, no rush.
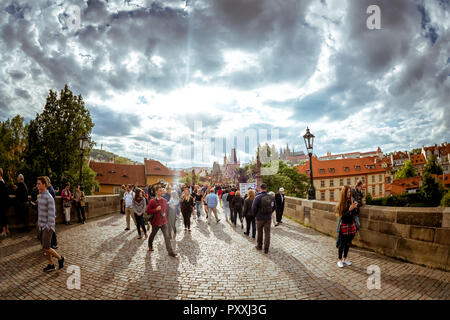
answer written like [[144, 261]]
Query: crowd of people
[[159, 207]]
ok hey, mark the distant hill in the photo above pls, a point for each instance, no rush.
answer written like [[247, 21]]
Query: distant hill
[[106, 156]]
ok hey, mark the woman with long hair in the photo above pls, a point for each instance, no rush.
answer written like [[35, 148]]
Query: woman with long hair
[[187, 206], [237, 204], [249, 214], [139, 206], [347, 228]]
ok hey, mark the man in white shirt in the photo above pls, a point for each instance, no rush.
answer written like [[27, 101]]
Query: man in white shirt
[[128, 206]]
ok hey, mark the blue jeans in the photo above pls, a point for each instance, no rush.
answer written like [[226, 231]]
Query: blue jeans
[[198, 206], [357, 223]]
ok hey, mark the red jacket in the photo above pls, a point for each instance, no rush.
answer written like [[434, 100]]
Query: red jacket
[[159, 217]]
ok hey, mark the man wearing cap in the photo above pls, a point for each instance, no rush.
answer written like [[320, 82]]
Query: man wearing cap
[[279, 202]]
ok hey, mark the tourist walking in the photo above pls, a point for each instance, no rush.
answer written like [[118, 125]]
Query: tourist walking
[[187, 207], [157, 208], [121, 194], [80, 203], [346, 227], [357, 196], [212, 200], [139, 206], [263, 206], [198, 200], [21, 191], [249, 214], [279, 204], [173, 203], [67, 198], [226, 205], [237, 204], [46, 221], [4, 205], [54, 243], [274, 216], [230, 201], [128, 206]]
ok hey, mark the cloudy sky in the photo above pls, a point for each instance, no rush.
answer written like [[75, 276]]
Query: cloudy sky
[[171, 79]]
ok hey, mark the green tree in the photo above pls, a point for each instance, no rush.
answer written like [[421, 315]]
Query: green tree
[[445, 202], [432, 191], [407, 171], [12, 145], [294, 183], [432, 166], [53, 138]]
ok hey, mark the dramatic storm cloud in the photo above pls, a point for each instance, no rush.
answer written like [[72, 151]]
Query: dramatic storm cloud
[[158, 76]]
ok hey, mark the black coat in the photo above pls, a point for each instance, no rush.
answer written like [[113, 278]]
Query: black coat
[[187, 205], [21, 193], [4, 197], [237, 203], [248, 212], [278, 203]]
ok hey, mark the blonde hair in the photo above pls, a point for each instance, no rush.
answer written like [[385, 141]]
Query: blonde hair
[[237, 194], [251, 194], [342, 204], [186, 195]]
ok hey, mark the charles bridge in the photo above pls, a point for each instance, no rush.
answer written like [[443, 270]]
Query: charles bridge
[[399, 253]]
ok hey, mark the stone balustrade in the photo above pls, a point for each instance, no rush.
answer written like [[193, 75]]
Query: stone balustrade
[[418, 235]]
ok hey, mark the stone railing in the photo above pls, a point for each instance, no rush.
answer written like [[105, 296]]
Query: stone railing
[[418, 235], [96, 206]]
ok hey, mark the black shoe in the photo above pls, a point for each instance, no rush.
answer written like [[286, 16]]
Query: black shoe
[[61, 263], [54, 247], [150, 248], [246, 233], [172, 254], [83, 222], [277, 224], [258, 248], [126, 229], [266, 250], [49, 268]]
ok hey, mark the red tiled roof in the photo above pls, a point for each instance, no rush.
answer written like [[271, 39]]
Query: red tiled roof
[[118, 174], [336, 168], [417, 159], [443, 149], [400, 155], [156, 168]]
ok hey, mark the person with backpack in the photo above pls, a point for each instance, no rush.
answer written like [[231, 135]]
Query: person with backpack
[[212, 200], [248, 213], [237, 204], [263, 206]]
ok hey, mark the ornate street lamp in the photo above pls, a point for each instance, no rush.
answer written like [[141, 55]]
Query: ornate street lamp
[[309, 142], [84, 142]]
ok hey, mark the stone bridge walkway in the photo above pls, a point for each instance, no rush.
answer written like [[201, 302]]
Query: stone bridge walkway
[[214, 262]]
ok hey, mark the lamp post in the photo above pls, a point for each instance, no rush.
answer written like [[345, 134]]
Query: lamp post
[[309, 142], [83, 146]]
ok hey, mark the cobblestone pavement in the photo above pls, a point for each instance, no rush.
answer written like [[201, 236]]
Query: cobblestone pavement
[[214, 261]]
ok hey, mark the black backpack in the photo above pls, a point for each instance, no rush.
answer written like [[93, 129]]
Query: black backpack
[[266, 205]]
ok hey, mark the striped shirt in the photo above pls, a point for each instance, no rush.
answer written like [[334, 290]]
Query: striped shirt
[[46, 211]]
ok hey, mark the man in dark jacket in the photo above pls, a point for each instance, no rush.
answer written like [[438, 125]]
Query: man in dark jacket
[[262, 207], [22, 201], [279, 203]]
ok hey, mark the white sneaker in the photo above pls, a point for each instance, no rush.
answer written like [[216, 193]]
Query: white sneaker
[[340, 264], [347, 262]]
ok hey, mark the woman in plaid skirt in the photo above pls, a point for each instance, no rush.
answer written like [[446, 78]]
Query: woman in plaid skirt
[[347, 228]]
